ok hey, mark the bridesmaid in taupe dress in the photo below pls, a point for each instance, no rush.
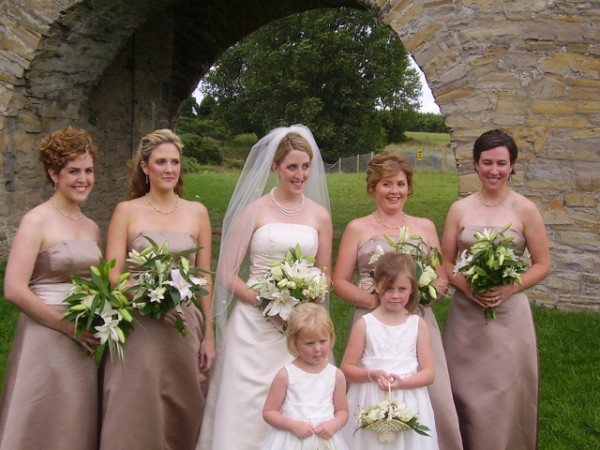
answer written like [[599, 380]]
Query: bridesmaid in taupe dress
[[50, 387], [389, 181], [157, 402], [493, 364]]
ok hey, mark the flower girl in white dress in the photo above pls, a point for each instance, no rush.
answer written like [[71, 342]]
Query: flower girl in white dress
[[306, 405], [389, 349]]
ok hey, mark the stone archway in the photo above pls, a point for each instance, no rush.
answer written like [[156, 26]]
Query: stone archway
[[121, 69]]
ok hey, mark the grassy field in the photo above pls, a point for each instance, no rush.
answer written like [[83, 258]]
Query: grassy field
[[569, 359]]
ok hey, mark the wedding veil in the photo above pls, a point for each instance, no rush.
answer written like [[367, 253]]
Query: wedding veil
[[238, 224]]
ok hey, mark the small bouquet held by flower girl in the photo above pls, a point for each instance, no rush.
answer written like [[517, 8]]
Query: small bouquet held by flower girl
[[290, 282], [94, 306], [166, 282], [492, 260], [388, 418], [425, 260]]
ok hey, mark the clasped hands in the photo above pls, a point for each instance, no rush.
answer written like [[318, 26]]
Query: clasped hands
[[494, 296], [325, 430], [385, 380]]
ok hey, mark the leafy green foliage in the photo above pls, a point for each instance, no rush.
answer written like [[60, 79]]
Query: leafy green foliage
[[332, 70], [202, 150], [433, 123]]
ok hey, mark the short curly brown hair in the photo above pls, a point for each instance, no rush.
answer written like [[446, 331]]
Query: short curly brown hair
[[62, 146], [387, 165]]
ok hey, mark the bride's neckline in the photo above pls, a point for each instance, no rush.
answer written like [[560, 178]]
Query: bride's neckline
[[284, 224]]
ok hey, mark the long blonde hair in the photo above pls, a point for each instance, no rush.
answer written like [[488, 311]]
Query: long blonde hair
[[138, 185]]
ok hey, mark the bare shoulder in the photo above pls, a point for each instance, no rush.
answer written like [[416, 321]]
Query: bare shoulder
[[425, 224], [36, 216], [358, 226], [128, 206], [317, 209], [523, 204], [194, 206]]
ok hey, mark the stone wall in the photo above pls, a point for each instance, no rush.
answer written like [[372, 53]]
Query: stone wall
[[121, 69]]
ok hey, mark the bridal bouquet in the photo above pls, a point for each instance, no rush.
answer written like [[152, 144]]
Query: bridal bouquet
[[425, 261], [166, 282], [94, 306], [492, 260], [290, 282], [388, 418]]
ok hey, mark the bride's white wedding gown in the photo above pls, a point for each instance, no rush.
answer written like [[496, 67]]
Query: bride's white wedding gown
[[251, 352]]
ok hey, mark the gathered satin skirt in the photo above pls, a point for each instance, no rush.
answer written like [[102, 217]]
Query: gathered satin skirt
[[156, 401], [50, 396], [493, 369]]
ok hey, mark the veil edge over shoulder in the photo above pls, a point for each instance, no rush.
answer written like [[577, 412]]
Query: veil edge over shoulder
[[239, 220]]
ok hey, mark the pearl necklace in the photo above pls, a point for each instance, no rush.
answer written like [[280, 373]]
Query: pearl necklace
[[491, 205], [387, 226], [64, 214], [294, 211], [164, 213]]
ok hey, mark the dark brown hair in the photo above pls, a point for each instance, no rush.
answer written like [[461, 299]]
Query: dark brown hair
[[492, 139]]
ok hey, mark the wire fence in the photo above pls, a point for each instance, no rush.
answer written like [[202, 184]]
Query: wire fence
[[419, 158]]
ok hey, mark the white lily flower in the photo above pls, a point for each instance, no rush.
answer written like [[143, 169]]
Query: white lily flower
[[180, 283], [156, 295]]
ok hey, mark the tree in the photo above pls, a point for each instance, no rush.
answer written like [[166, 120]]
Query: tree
[[332, 70]]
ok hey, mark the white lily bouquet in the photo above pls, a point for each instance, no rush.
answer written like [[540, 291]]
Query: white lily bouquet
[[166, 282], [95, 306], [290, 282], [492, 260], [425, 259], [388, 418]]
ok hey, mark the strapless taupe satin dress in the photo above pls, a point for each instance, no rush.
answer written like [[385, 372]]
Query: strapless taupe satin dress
[[50, 399], [157, 401]]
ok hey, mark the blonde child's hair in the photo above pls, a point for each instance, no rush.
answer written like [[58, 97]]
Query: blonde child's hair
[[390, 267], [312, 319]]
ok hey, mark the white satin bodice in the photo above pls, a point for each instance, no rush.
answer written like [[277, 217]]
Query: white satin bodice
[[271, 241]]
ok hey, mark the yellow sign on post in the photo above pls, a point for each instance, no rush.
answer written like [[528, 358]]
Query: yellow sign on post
[[419, 155]]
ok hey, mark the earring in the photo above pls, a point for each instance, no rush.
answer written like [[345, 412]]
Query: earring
[[55, 184], [147, 181]]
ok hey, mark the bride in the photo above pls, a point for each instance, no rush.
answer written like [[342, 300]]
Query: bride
[[251, 348]]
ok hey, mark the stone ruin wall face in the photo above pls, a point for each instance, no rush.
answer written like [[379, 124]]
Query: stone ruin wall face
[[531, 67]]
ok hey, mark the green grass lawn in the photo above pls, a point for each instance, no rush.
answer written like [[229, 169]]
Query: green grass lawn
[[569, 357]]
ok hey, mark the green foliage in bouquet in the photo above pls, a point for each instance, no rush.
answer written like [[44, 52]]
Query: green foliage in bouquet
[[426, 260], [290, 282], [95, 306], [492, 260], [166, 282]]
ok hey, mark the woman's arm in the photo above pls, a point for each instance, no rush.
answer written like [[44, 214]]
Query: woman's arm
[[432, 240], [116, 242], [344, 269], [272, 409], [203, 260], [19, 268], [534, 232], [323, 256]]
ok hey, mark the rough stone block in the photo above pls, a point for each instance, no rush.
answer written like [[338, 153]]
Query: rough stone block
[[555, 213], [554, 107], [577, 199]]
